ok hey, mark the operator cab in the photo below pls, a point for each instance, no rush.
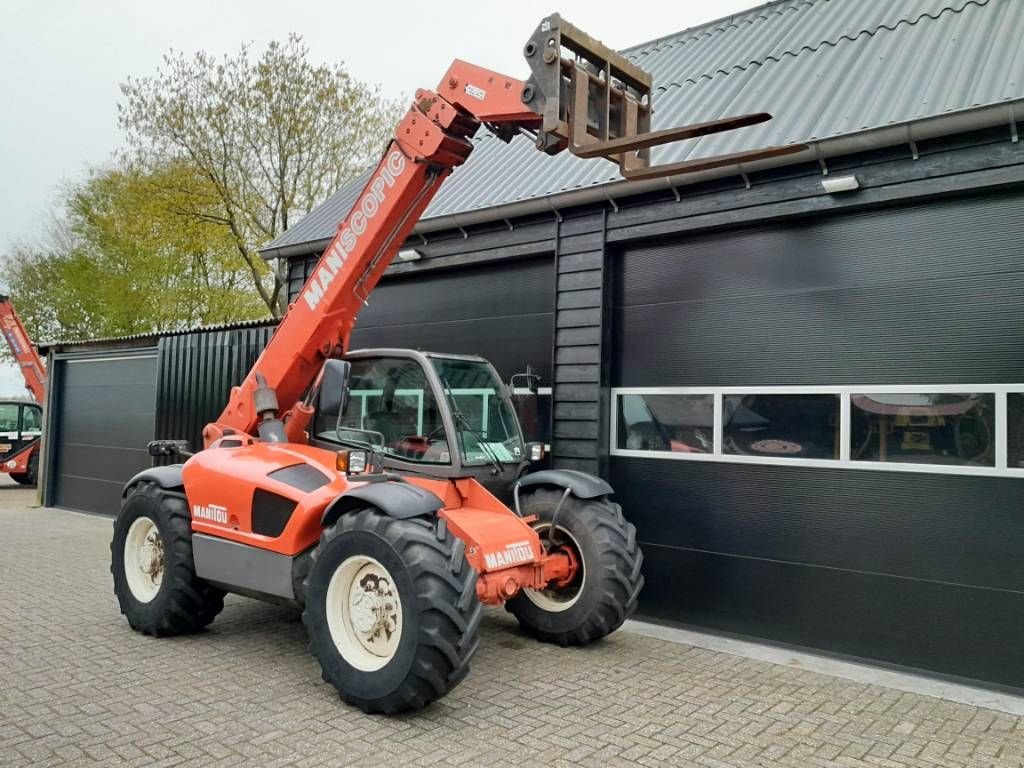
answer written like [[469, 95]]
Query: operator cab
[[448, 415]]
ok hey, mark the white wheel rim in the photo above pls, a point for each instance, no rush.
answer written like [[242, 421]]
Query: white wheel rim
[[144, 559], [364, 613], [556, 600]]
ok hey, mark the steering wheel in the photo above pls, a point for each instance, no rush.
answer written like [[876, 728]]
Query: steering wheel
[[436, 432]]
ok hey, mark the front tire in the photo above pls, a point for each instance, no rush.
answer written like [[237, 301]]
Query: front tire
[[604, 592], [151, 561], [391, 610]]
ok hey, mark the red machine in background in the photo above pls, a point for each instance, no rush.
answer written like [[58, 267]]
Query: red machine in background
[[21, 422]]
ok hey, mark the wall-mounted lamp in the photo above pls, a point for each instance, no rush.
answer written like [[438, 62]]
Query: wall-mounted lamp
[[409, 254], [836, 184]]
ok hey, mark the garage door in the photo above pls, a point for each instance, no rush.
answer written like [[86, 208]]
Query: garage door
[[811, 425], [102, 418]]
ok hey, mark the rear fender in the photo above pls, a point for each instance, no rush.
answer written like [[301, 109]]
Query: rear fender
[[395, 498], [167, 477], [582, 485]]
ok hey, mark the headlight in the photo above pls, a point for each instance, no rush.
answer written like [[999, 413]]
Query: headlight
[[352, 462], [356, 462]]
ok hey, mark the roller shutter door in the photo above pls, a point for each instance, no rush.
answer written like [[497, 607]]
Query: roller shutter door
[[916, 569], [103, 416]]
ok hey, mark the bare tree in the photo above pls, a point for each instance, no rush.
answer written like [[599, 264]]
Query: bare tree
[[274, 136]]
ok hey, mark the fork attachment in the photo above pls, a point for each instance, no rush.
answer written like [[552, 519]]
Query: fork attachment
[[595, 102]]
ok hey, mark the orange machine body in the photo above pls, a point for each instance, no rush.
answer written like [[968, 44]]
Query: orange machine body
[[222, 482], [18, 463]]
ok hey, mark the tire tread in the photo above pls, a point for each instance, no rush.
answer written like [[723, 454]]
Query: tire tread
[[448, 611], [191, 603], [620, 572]]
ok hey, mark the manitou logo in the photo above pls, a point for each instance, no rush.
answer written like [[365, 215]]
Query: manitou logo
[[520, 552], [212, 512], [362, 214]]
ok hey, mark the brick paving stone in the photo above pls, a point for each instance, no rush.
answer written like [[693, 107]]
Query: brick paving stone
[[79, 688]]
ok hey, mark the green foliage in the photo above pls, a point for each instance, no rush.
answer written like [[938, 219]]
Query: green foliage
[[138, 251], [273, 136]]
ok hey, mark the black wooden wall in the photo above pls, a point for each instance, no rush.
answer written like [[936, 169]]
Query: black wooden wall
[[917, 569], [195, 374]]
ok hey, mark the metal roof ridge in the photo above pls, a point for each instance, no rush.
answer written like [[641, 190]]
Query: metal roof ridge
[[832, 43], [716, 25], [225, 326]]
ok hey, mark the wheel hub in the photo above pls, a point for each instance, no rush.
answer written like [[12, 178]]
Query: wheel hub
[[364, 612], [144, 559], [151, 556], [562, 593], [372, 608], [371, 613]]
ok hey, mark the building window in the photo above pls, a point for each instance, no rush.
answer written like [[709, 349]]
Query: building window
[[1015, 430], [781, 426], [672, 423], [975, 430], [950, 429]]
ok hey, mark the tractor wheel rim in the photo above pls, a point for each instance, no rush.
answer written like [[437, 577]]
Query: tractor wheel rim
[[558, 599], [144, 559], [364, 613]]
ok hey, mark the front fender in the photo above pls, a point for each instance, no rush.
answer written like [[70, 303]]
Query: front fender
[[582, 485], [395, 498], [167, 477]]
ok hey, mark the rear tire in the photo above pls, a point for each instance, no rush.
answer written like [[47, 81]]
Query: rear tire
[[605, 592], [151, 561], [391, 610]]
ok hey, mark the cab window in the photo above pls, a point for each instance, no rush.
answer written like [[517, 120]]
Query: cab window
[[8, 419], [391, 407], [31, 421]]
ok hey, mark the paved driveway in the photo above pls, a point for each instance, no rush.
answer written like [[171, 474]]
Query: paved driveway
[[77, 687]]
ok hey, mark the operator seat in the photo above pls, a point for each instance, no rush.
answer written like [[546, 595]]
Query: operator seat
[[389, 420]]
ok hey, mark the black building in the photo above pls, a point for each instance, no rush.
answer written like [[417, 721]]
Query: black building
[[804, 380]]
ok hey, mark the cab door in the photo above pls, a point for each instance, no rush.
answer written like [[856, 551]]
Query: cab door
[[31, 423]]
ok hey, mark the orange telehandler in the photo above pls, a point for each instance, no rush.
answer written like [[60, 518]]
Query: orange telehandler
[[374, 498], [21, 422]]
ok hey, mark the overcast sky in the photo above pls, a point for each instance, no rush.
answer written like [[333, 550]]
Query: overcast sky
[[62, 61]]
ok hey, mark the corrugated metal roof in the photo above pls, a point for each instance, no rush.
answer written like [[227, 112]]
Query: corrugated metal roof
[[824, 68], [155, 336]]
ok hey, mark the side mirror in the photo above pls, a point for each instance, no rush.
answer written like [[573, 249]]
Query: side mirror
[[332, 386], [530, 380]]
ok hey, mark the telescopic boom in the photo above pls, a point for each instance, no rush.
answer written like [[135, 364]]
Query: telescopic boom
[[31, 365], [581, 96]]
